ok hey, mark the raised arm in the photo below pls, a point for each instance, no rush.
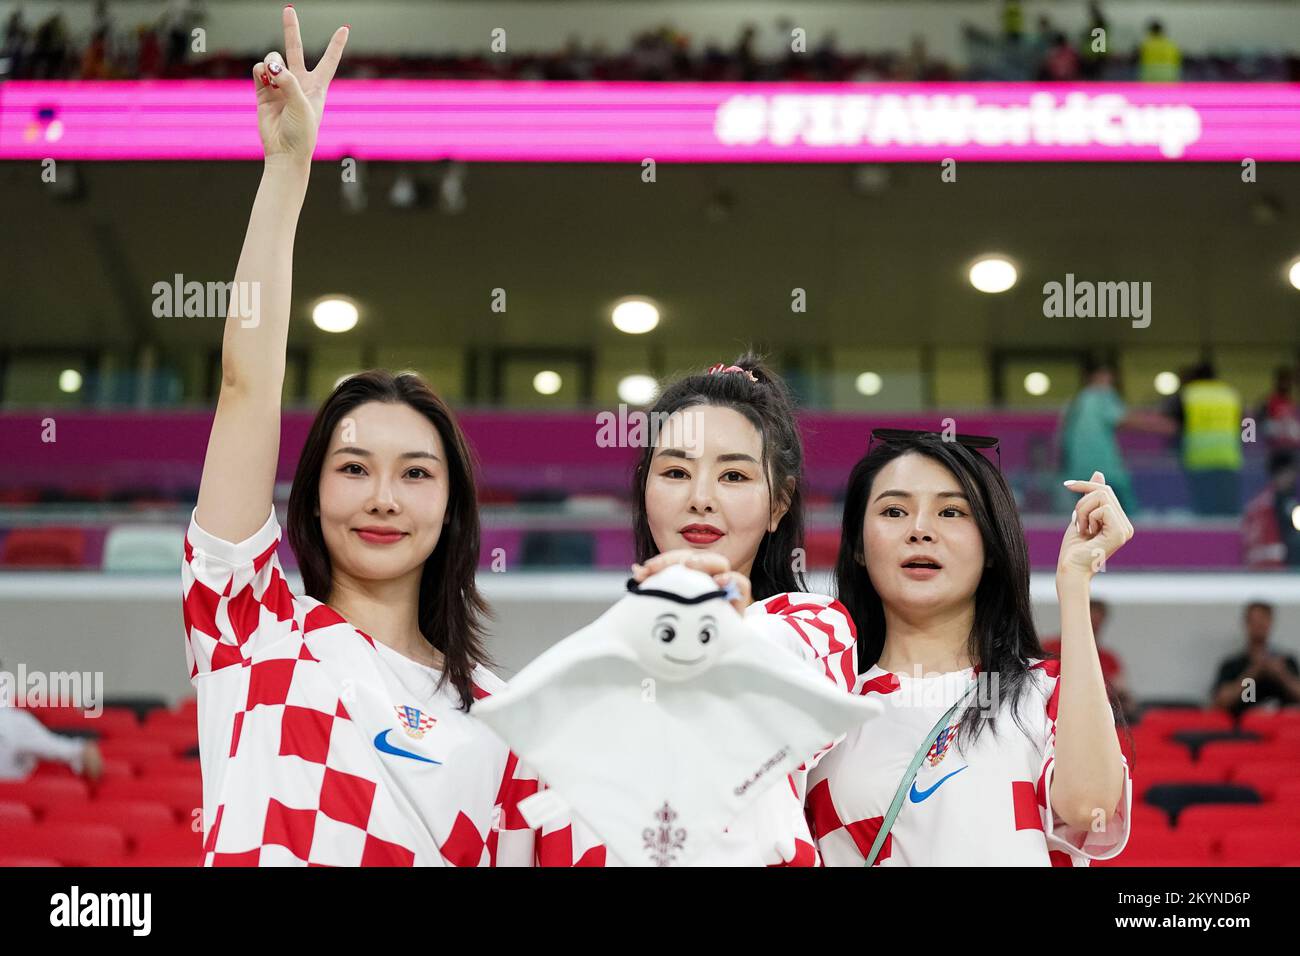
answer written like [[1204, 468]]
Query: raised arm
[[239, 470]]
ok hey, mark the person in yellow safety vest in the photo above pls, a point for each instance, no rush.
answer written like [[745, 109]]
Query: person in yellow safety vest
[[1013, 20], [1209, 411], [1159, 59]]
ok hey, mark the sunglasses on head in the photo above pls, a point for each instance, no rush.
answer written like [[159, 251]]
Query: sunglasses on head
[[887, 435]]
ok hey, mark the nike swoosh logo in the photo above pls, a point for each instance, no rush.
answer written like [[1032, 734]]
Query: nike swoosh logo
[[916, 796], [383, 746]]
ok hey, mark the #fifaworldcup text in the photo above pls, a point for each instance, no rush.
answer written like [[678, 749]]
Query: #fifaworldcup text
[[527, 121]]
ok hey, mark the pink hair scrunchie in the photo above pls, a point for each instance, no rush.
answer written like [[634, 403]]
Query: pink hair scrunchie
[[733, 368]]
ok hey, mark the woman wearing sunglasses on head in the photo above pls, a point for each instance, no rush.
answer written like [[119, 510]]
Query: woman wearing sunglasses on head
[[986, 753]]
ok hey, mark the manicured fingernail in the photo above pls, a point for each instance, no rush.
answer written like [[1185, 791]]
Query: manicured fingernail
[[275, 67], [1069, 481]]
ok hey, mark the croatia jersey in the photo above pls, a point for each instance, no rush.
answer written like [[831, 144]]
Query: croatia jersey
[[319, 747], [983, 806], [818, 630]]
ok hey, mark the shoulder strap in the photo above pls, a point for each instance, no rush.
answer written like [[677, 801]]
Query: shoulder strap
[[910, 774]]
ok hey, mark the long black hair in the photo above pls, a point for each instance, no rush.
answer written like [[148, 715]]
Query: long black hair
[[767, 405], [452, 614], [1002, 638]]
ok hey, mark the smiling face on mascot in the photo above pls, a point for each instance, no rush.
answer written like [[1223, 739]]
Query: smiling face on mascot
[[662, 720]]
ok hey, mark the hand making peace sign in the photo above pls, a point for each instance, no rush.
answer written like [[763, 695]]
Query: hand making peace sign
[[291, 98]]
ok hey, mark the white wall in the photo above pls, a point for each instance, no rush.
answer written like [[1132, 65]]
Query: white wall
[[1171, 631], [464, 25]]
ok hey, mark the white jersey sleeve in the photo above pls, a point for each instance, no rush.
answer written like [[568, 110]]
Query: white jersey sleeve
[[235, 597], [815, 627], [1081, 845]]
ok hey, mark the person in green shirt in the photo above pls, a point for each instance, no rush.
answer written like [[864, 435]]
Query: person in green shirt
[[1088, 427]]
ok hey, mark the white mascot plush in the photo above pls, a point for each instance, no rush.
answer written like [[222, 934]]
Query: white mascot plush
[[665, 718]]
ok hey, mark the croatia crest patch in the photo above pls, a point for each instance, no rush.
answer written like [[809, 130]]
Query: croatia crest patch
[[939, 749], [414, 721]]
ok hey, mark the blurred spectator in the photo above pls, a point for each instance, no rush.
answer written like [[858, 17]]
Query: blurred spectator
[[50, 49], [1087, 433], [1260, 675], [1044, 35], [149, 52], [1269, 538], [745, 56], [1061, 63], [1278, 416], [1208, 412], [1013, 20], [97, 57], [24, 740], [1112, 670], [1159, 59], [1092, 61], [179, 20], [17, 37], [762, 52]]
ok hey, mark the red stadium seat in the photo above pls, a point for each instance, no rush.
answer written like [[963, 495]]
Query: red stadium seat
[[182, 796], [176, 841], [172, 768], [110, 723], [172, 718], [72, 844], [1266, 776], [135, 818], [1219, 818], [1179, 842], [1158, 858], [1151, 773], [1230, 754], [135, 749], [9, 862], [1171, 719], [1145, 817], [112, 768], [12, 813], [42, 792], [44, 548], [1288, 793], [164, 860], [1266, 719], [1275, 845], [1151, 747]]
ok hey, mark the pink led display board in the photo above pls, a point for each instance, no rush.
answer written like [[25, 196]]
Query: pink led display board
[[670, 122]]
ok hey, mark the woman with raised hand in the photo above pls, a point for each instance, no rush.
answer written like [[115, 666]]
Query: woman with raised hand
[[334, 724], [987, 752]]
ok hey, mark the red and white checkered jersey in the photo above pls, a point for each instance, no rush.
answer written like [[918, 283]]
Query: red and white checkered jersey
[[986, 806], [314, 750], [819, 630]]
